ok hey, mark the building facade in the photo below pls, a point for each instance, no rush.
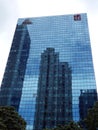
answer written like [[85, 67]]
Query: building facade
[[50, 61], [86, 101]]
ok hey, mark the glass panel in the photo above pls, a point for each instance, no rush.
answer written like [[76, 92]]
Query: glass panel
[[59, 77]]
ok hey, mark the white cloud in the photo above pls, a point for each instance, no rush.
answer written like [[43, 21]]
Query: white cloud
[[48, 7], [91, 5]]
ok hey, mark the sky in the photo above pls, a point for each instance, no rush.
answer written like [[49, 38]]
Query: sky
[[11, 10]]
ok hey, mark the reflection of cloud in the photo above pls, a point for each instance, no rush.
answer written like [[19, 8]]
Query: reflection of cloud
[[29, 91], [33, 67], [75, 110], [28, 100], [82, 83]]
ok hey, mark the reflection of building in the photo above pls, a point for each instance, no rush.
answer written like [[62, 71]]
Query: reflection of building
[[86, 100], [54, 101], [12, 83]]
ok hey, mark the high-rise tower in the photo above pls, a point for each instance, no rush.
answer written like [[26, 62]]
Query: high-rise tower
[[12, 83], [86, 101], [54, 96], [50, 61]]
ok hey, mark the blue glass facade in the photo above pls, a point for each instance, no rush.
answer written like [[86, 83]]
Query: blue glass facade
[[53, 59]]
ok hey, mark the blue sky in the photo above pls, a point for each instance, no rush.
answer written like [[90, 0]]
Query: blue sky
[[11, 10]]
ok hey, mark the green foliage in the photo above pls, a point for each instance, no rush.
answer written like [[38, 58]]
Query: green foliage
[[91, 120], [70, 126], [10, 120], [2, 125]]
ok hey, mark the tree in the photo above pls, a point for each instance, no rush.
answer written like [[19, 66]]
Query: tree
[[10, 120], [2, 125], [70, 126], [91, 120]]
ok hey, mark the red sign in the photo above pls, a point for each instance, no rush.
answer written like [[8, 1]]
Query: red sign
[[77, 17]]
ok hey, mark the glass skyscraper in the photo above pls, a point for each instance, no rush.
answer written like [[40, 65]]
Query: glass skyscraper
[[50, 72]]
